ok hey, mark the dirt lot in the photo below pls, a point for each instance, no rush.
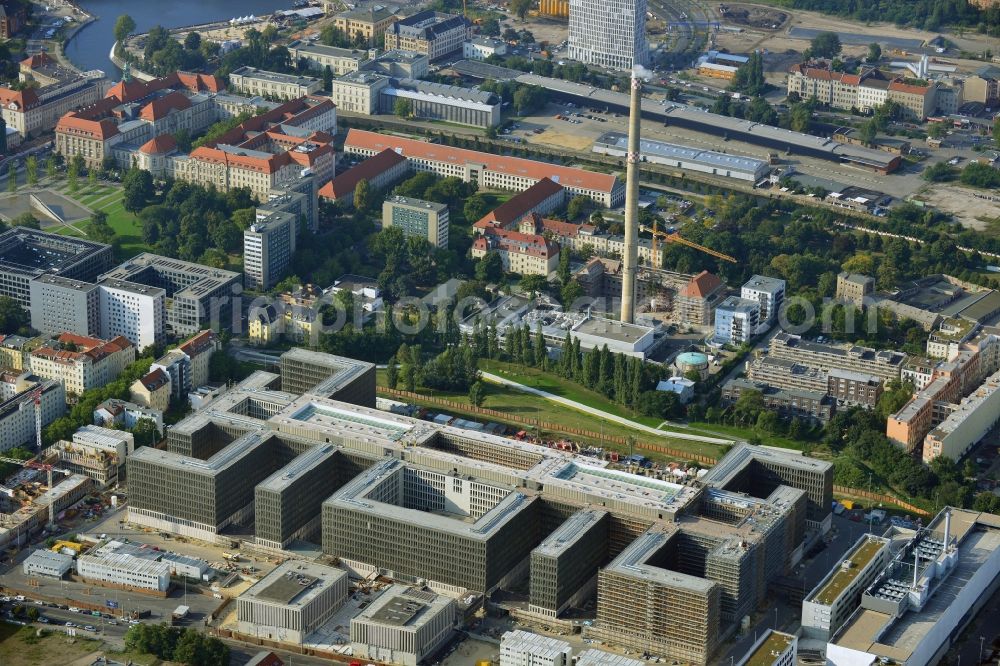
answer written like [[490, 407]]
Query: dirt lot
[[754, 16], [563, 140], [969, 210]]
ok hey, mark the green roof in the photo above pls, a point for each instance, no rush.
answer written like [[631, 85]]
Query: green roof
[[858, 558], [764, 654]]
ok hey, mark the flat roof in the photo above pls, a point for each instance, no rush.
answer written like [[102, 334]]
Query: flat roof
[[675, 151], [572, 529], [594, 657], [233, 452], [294, 583], [769, 649], [632, 562], [275, 77], [402, 606], [859, 557], [43, 556], [309, 460], [417, 203]]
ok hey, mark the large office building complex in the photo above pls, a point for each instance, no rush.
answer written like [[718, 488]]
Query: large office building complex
[[675, 567], [253, 81], [198, 297], [422, 219], [685, 157], [608, 34], [26, 254]]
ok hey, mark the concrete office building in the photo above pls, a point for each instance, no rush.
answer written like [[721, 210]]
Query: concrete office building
[[836, 597], [44, 562], [26, 254], [684, 157], [523, 648], [564, 566], [198, 498], [773, 648], [422, 219], [292, 601], [769, 293], [432, 33], [136, 312], [736, 321], [439, 101], [198, 297], [885, 364], [608, 34], [387, 516], [253, 81], [124, 571], [268, 246], [63, 304], [334, 377], [359, 92], [935, 583], [288, 504], [403, 626], [487, 169], [759, 471]]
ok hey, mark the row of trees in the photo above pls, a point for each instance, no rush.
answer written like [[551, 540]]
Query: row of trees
[[183, 645], [454, 369], [930, 15]]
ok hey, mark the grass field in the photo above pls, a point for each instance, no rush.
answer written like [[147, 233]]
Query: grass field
[[19, 646], [522, 405], [108, 199]]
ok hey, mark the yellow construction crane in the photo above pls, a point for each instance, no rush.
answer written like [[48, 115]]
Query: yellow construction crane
[[676, 238]]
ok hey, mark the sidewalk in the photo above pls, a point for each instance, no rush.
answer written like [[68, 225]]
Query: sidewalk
[[496, 379]]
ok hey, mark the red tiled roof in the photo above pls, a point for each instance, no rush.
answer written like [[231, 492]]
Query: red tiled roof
[[159, 145], [95, 348], [155, 380], [24, 99], [372, 167], [37, 60], [515, 241], [514, 166], [161, 106], [563, 229], [515, 208], [701, 285], [903, 87], [200, 343]]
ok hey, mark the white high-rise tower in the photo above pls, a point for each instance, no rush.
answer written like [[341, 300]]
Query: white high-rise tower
[[608, 33]]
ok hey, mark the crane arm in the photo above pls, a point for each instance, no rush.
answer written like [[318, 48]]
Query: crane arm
[[676, 238]]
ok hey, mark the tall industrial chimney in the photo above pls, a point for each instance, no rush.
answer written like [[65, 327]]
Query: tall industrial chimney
[[631, 254]]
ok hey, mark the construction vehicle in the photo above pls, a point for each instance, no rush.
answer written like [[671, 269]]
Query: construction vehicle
[[676, 238]]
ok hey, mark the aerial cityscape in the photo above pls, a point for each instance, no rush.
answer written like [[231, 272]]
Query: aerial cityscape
[[500, 333]]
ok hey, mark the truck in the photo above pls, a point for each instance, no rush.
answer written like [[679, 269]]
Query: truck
[[180, 613]]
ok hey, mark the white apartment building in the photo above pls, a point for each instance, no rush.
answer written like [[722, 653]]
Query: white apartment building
[[358, 92], [523, 648], [736, 320], [770, 293], [125, 571], [608, 33], [134, 311], [17, 414], [481, 48]]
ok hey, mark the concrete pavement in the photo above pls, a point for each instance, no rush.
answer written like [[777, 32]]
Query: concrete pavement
[[572, 404]]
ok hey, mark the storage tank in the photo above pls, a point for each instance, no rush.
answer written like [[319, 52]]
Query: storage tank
[[688, 361]]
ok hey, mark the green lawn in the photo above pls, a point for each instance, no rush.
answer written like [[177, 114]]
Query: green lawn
[[522, 405], [551, 383], [746, 433], [125, 224]]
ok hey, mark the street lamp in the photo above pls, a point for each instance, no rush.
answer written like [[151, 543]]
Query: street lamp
[[981, 640]]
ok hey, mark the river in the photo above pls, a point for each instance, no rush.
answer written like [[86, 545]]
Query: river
[[90, 47]]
